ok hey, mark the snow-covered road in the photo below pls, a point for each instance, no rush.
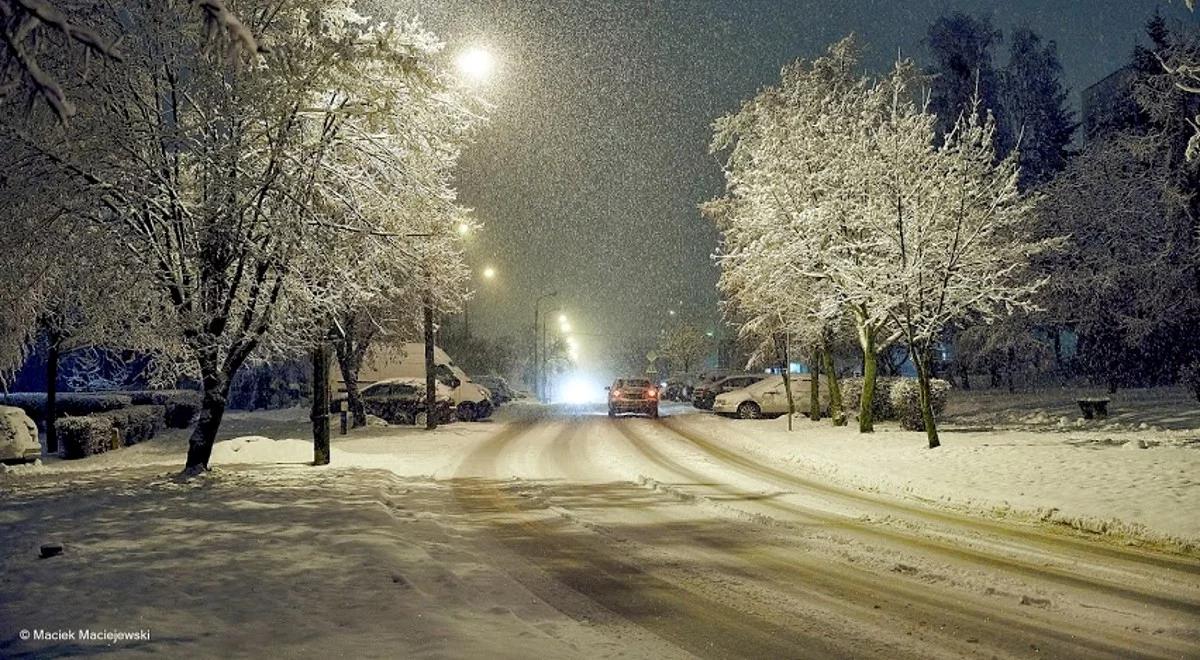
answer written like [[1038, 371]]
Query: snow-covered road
[[562, 533], [653, 524]]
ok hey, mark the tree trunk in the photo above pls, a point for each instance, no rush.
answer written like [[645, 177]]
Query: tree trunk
[[814, 390], [52, 357], [866, 418], [836, 410], [787, 383], [921, 358], [350, 351], [320, 404], [1009, 368], [212, 409]]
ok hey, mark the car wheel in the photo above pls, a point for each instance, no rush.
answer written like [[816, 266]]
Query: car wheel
[[612, 413], [466, 411], [654, 413], [420, 419], [749, 410]]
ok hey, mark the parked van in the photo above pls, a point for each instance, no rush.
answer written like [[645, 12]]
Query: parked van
[[768, 398], [471, 401]]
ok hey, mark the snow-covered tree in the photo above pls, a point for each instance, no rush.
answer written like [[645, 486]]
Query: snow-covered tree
[[684, 347], [844, 202], [795, 245], [957, 227], [42, 41], [245, 188], [1126, 284]]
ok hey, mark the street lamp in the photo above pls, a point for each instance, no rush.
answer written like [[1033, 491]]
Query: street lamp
[[476, 64], [489, 273]]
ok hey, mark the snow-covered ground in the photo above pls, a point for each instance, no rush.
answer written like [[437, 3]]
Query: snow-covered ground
[[562, 533], [1136, 474]]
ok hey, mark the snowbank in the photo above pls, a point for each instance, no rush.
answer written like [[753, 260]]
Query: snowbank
[[1103, 477]]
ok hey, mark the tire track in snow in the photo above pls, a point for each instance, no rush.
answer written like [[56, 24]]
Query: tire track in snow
[[570, 557], [1071, 639]]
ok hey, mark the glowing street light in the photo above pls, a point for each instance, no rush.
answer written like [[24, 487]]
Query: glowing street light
[[489, 273], [564, 326], [476, 64], [463, 229], [562, 318]]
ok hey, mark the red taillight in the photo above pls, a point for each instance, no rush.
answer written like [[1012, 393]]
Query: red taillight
[[651, 393]]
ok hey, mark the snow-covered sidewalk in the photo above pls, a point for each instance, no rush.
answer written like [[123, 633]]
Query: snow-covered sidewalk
[[1136, 475]]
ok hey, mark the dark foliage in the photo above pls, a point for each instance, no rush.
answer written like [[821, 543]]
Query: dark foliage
[[69, 404]]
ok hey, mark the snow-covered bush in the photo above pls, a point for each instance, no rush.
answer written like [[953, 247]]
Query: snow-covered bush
[[1189, 375], [80, 437], [73, 404], [136, 423], [180, 406], [100, 432], [881, 403], [905, 397]]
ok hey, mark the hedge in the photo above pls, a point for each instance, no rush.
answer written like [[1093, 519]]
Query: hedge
[[74, 404], [181, 406], [98, 433], [85, 436], [905, 397], [136, 423]]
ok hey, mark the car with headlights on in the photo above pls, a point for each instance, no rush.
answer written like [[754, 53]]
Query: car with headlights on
[[767, 398], [632, 395]]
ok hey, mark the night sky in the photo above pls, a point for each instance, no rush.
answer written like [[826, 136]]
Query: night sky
[[589, 172]]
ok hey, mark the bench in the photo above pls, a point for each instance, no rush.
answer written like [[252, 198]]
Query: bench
[[1094, 408]]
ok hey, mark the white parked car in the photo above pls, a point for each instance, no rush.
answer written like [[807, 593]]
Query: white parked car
[[18, 436], [767, 398]]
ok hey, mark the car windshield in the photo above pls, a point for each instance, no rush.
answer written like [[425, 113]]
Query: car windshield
[[634, 382]]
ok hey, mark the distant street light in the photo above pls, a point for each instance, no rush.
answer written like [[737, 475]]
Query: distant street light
[[564, 326], [562, 318], [489, 273], [463, 229], [476, 64]]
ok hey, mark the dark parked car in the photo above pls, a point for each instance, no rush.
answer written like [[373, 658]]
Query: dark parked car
[[402, 401], [633, 395], [704, 395], [677, 389], [498, 386]]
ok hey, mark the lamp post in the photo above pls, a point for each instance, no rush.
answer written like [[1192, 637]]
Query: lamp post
[[537, 368]]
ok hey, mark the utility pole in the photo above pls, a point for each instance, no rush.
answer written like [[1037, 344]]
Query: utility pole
[[430, 384], [539, 367], [320, 403]]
